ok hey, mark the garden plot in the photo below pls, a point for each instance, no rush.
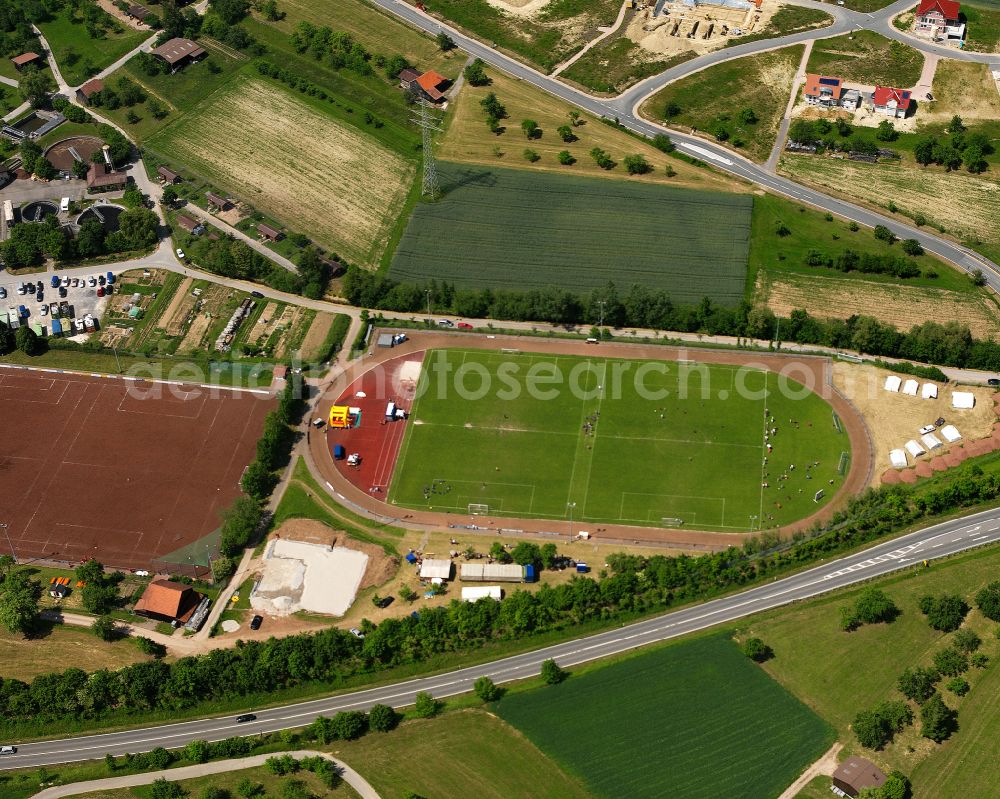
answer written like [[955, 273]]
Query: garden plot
[[313, 577], [279, 330], [295, 163]]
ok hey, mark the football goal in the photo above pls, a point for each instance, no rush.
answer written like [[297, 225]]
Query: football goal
[[478, 508]]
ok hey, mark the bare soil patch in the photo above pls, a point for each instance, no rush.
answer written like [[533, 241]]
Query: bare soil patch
[[316, 336], [341, 186], [668, 33], [381, 566], [901, 306], [175, 315], [964, 88], [520, 8], [893, 419]]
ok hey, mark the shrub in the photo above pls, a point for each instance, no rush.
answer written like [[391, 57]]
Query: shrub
[[950, 662], [636, 165], [382, 718], [552, 673], [487, 690], [988, 601], [530, 155], [980, 660], [966, 641], [958, 686], [566, 158], [757, 650], [426, 705], [938, 721], [882, 233], [348, 725]]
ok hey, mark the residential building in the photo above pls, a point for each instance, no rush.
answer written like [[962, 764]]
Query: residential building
[[891, 102], [168, 176], [89, 89], [851, 100], [822, 90], [939, 20], [178, 53], [192, 226]]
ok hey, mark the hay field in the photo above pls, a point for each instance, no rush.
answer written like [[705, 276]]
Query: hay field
[[295, 163], [901, 306], [964, 88], [468, 139], [966, 205]]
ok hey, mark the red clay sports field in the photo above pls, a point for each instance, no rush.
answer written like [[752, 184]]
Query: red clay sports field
[[90, 468]]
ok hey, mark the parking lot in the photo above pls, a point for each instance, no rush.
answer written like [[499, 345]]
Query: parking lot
[[82, 299]]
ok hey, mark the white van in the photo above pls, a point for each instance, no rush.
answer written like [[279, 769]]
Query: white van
[[64, 205]]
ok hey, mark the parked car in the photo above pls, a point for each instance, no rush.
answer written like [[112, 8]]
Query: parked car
[[75, 282], [141, 573], [180, 254], [100, 279], [62, 292], [3, 293], [927, 428], [357, 633], [54, 282], [255, 622], [44, 310], [21, 289], [100, 291], [445, 323], [39, 286], [8, 750], [257, 294], [92, 281], [464, 326], [993, 381], [245, 718]]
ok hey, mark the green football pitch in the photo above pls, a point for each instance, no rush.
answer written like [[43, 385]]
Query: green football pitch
[[656, 443]]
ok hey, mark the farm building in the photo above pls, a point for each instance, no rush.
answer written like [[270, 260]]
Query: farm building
[[407, 76], [216, 200], [822, 90], [492, 572], [429, 85], [432, 569], [939, 20], [166, 600], [100, 177], [475, 593], [269, 233], [168, 175], [335, 266], [137, 12], [178, 53], [891, 102], [854, 775], [25, 59], [89, 89], [192, 226]]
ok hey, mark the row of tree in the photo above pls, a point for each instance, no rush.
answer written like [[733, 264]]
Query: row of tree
[[632, 585], [948, 344]]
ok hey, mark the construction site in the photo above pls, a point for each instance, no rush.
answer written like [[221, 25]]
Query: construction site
[[672, 27]]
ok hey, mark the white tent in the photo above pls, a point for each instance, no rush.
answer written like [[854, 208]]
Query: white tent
[[963, 399], [473, 593], [431, 568], [929, 391], [914, 448], [892, 383], [950, 432], [931, 441], [910, 387], [897, 458]]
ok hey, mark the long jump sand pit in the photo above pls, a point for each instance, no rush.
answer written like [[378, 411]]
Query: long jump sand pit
[[308, 566]]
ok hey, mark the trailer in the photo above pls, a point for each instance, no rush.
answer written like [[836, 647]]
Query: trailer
[[8, 212]]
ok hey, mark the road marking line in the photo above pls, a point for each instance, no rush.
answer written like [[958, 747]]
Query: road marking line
[[980, 538]]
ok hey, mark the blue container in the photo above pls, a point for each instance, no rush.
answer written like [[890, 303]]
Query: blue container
[[529, 573], [338, 452], [583, 568]]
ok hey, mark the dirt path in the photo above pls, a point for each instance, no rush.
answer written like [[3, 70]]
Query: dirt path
[[825, 765], [786, 120], [810, 368]]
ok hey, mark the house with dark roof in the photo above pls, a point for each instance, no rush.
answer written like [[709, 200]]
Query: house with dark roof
[[89, 89], [101, 177], [137, 12], [178, 53], [24, 60], [856, 774], [221, 203], [192, 226], [407, 76], [822, 90], [939, 20], [891, 102], [268, 232], [169, 601], [168, 175]]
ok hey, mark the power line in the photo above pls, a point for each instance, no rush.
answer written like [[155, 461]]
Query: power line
[[429, 124]]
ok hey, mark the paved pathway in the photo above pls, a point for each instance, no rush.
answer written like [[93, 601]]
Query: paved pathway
[[350, 776], [8, 81], [786, 120], [12, 115]]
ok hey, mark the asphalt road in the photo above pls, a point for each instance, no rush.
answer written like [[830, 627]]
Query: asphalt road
[[625, 109], [910, 550]]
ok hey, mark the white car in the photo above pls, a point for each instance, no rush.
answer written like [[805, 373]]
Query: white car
[[64, 283], [20, 288], [92, 282], [78, 325], [357, 633], [44, 309], [927, 428], [180, 254]]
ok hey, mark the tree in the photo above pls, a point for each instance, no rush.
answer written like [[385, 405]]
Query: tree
[[530, 128], [269, 8], [382, 718], [552, 673], [169, 196], [475, 73], [487, 690], [748, 117], [958, 686], [34, 87], [912, 247], [671, 110], [132, 117], [956, 125], [499, 553], [347, 725], [197, 751], [566, 133], [636, 165], [230, 11], [566, 158], [7, 345], [156, 108], [882, 233], [425, 705], [105, 629], [988, 601], [917, 684], [164, 789], [549, 554], [257, 481], [26, 340], [757, 650], [886, 131], [938, 721], [966, 640], [973, 159], [977, 277], [923, 150], [19, 597], [945, 613], [90, 239], [875, 728], [44, 169], [871, 607], [526, 552], [950, 662], [445, 42]]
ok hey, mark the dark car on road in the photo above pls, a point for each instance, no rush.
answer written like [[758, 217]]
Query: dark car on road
[[255, 622], [993, 381], [257, 294], [245, 718]]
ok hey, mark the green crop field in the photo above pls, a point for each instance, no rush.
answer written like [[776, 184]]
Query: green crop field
[[519, 229], [601, 444], [694, 720]]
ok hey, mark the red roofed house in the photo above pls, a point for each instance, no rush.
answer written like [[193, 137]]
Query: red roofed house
[[88, 90], [891, 102], [166, 600], [822, 90], [101, 178], [25, 59], [430, 85], [939, 20]]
